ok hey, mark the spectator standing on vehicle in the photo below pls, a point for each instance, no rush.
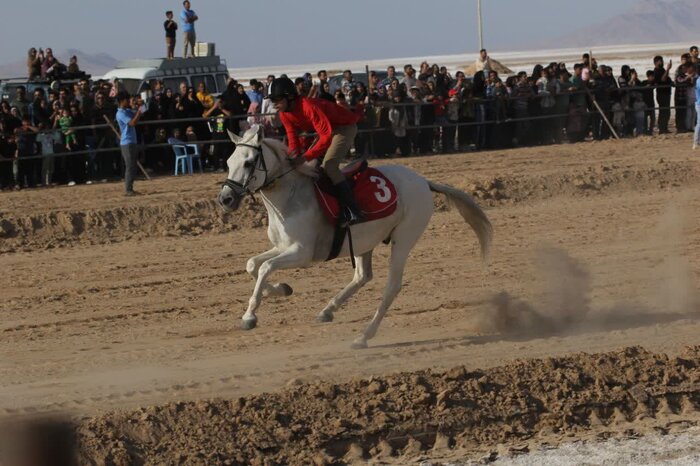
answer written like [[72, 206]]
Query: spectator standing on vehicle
[[73, 67], [127, 119], [34, 60], [51, 68], [189, 37], [170, 27]]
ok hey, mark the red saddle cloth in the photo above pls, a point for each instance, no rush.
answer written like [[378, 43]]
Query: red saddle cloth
[[375, 195]]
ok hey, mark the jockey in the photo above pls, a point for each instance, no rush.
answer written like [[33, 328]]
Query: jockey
[[336, 128]]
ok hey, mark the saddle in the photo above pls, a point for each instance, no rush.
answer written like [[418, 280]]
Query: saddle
[[374, 193]]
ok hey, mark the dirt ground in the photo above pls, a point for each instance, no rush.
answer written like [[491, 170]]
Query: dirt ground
[[123, 303]]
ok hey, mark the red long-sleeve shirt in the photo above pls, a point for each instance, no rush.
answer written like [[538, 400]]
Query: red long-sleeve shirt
[[319, 116]]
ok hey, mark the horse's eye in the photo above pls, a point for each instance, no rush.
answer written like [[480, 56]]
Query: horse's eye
[[248, 164]]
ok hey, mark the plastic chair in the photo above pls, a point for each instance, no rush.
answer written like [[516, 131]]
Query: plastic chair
[[184, 156]]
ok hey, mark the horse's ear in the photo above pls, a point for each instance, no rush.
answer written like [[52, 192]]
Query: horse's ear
[[253, 133], [234, 137], [261, 133]]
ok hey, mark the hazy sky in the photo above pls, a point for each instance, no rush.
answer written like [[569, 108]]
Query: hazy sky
[[278, 32]]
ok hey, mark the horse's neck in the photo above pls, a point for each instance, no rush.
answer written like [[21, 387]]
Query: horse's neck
[[288, 194]]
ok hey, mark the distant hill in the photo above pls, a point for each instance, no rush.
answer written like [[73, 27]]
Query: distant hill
[[647, 22], [96, 65]]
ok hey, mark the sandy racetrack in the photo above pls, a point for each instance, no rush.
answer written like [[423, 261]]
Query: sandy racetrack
[[116, 303]]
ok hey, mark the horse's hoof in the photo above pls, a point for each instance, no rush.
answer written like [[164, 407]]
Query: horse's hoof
[[324, 318], [286, 289], [249, 324], [360, 343]]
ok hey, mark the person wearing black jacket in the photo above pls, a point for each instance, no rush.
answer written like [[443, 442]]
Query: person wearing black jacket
[[38, 108], [605, 90], [170, 27], [663, 92], [235, 102]]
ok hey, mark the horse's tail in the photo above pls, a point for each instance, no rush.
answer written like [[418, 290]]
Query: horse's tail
[[470, 211]]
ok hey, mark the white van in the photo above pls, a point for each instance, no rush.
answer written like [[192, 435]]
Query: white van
[[135, 74]]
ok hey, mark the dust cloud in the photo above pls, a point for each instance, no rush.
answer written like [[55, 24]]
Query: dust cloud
[[564, 291]]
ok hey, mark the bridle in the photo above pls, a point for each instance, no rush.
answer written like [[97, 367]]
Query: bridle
[[241, 189]]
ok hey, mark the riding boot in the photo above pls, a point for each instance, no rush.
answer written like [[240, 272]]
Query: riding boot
[[349, 208]]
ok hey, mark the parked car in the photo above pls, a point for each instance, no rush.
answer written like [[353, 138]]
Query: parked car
[[8, 87], [135, 74]]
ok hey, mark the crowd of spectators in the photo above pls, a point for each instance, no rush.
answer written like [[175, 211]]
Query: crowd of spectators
[[60, 136], [430, 111]]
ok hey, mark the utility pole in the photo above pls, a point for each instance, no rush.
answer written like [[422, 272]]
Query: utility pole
[[481, 31]]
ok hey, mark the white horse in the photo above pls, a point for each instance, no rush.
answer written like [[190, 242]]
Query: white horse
[[301, 235]]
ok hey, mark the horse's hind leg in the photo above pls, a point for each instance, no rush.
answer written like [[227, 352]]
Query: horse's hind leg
[[403, 239], [399, 255], [270, 289], [363, 274]]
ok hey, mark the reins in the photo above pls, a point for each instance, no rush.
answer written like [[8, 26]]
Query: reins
[[241, 189]]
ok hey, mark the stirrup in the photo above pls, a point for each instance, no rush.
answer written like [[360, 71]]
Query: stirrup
[[350, 217]]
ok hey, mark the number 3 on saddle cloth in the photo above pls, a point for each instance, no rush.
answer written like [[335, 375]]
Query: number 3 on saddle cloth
[[374, 193]]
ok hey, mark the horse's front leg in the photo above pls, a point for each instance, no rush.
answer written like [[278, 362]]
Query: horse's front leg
[[293, 257], [363, 274], [270, 289]]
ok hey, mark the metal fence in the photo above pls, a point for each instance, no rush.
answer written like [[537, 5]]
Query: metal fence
[[503, 116]]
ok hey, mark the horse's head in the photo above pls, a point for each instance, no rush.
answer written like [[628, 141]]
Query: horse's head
[[248, 168]]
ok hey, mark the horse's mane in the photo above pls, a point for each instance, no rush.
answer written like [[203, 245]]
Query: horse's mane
[[253, 136], [277, 147]]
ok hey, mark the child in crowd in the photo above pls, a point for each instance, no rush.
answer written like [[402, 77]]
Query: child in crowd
[[65, 123]]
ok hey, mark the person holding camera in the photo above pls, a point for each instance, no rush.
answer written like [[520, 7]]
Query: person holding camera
[[127, 119], [34, 60]]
